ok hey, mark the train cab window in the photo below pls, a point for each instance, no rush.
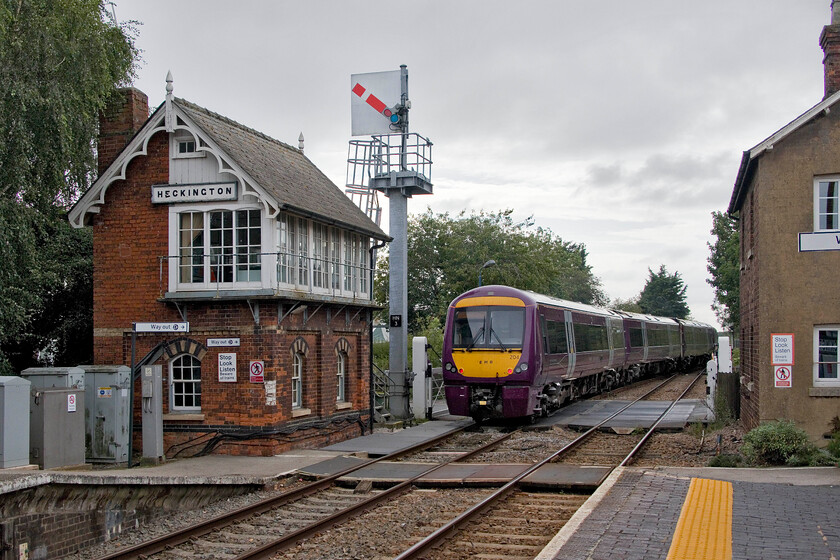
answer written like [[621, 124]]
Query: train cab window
[[556, 333], [488, 327]]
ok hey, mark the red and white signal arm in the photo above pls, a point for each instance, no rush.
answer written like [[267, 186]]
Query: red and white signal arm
[[257, 370], [373, 98]]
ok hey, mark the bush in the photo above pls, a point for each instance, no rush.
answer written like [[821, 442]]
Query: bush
[[834, 445], [727, 461], [780, 443]]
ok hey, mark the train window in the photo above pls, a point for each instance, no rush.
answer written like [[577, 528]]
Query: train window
[[557, 342], [617, 332], [488, 327], [589, 338], [637, 337], [657, 337]]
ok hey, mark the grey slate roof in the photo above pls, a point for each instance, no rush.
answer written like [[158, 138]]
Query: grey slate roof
[[284, 172]]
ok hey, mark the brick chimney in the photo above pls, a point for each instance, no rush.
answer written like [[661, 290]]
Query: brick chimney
[[830, 43], [125, 114]]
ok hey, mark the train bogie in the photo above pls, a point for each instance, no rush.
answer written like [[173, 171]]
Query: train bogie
[[510, 353]]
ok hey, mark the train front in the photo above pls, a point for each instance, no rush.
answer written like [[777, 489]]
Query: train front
[[490, 354]]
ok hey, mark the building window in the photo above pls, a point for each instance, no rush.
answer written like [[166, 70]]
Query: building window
[[297, 380], [220, 246], [341, 395], [186, 147], [826, 356], [185, 383], [826, 209]]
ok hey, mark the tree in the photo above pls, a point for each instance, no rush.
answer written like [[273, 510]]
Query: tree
[[725, 268], [664, 294], [446, 253], [59, 62], [630, 304]]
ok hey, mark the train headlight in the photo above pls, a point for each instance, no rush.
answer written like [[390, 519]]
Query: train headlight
[[449, 366], [521, 367]]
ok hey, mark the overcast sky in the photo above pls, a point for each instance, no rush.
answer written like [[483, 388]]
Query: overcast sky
[[618, 124]]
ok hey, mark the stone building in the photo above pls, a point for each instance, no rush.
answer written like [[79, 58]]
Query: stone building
[[787, 197], [197, 219]]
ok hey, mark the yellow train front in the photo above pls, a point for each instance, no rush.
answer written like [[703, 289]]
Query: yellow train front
[[490, 354]]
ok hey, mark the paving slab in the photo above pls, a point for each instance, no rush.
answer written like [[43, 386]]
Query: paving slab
[[577, 477]]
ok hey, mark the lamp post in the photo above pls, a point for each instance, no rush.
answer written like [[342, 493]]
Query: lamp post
[[489, 263]]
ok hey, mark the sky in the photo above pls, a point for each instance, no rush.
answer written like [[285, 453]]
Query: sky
[[616, 124]]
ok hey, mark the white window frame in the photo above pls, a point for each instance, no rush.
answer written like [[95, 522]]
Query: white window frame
[[175, 365], [817, 202], [341, 375], [175, 147], [267, 241], [826, 382], [297, 380]]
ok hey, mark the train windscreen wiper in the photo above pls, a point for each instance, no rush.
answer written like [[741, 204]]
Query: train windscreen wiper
[[476, 338], [502, 344]]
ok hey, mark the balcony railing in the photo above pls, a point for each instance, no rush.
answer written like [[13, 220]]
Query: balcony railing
[[246, 271]]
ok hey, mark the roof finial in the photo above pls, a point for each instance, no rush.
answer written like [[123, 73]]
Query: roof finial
[[168, 120], [300, 142]]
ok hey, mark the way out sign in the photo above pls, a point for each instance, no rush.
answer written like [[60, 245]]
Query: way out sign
[[783, 377]]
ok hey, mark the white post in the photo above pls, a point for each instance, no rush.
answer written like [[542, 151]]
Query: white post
[[419, 359]]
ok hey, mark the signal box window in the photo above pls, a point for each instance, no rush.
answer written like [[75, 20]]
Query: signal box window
[[185, 384]]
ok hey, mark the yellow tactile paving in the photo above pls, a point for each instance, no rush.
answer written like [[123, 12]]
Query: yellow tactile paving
[[704, 531]]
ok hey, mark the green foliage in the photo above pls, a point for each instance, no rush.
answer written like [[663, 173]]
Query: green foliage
[[781, 443], [724, 266], [59, 62], [631, 305], [834, 445], [664, 294], [380, 355], [445, 254]]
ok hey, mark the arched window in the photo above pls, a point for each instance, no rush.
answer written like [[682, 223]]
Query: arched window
[[297, 380], [341, 395], [185, 383]]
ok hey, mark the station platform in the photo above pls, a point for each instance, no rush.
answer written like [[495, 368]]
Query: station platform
[[772, 514]]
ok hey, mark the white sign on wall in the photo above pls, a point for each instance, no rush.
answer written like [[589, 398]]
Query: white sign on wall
[[217, 342], [207, 192], [271, 393], [783, 377], [819, 241], [782, 349], [373, 97], [161, 327], [71, 402], [227, 368]]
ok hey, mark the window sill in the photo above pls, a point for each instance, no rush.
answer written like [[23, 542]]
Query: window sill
[[824, 392], [183, 417], [297, 412], [343, 405]]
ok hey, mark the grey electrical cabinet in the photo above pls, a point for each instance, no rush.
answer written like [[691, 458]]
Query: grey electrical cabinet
[[57, 427], [55, 377], [14, 422], [107, 404]]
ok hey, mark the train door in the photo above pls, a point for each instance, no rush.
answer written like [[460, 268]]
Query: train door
[[570, 336]]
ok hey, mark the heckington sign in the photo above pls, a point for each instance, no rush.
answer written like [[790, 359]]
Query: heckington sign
[[204, 192]]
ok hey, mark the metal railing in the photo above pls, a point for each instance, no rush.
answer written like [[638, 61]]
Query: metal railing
[[232, 271]]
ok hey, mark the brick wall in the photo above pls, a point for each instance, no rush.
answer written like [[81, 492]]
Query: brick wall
[[750, 386]]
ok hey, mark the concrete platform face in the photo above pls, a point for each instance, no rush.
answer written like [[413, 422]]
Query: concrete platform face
[[379, 444], [585, 414], [635, 518]]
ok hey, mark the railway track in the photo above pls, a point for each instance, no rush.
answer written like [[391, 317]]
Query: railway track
[[493, 512], [513, 523]]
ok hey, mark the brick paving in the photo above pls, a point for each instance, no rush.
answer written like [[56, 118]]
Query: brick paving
[[637, 518]]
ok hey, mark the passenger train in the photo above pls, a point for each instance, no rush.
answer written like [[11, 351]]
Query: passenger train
[[511, 353]]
